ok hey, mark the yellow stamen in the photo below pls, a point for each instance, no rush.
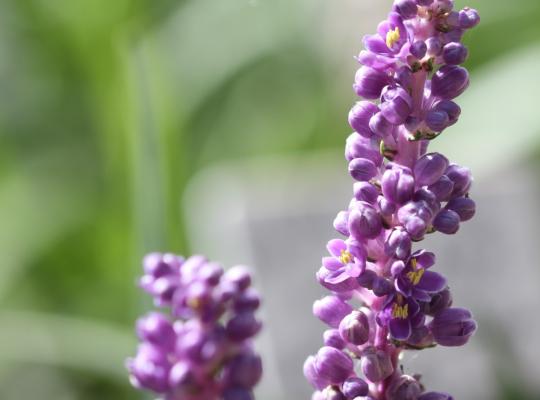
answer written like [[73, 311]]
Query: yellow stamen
[[345, 257], [400, 311], [415, 276], [413, 263], [392, 37]]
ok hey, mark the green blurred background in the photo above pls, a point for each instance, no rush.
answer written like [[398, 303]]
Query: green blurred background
[[109, 107]]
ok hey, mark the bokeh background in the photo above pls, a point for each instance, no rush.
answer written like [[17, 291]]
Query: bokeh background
[[217, 126]]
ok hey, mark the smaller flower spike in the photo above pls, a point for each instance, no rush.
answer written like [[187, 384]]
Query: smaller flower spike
[[201, 350], [409, 78]]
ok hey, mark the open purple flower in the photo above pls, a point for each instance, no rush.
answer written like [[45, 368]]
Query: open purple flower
[[415, 280], [391, 38], [400, 314], [348, 260]]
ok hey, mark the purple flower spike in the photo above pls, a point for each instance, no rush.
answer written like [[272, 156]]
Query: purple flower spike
[[370, 82], [449, 82], [360, 116], [410, 68], [429, 168], [453, 327]]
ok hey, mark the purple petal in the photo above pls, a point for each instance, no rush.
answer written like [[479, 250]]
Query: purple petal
[[420, 295], [335, 246], [431, 282], [400, 329], [337, 276], [403, 286], [374, 60], [331, 263], [376, 44], [424, 259], [354, 269]]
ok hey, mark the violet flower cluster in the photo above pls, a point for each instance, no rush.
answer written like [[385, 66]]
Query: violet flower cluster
[[386, 297], [203, 350]]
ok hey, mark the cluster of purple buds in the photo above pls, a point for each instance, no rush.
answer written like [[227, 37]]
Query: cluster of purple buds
[[201, 350], [385, 296]]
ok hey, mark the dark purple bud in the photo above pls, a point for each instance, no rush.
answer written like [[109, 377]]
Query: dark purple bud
[[404, 76], [419, 49], [463, 206], [364, 221], [354, 328], [468, 18], [453, 327], [434, 46], [359, 147], [397, 184], [455, 53], [452, 19], [426, 196], [421, 337], [354, 387], [382, 286], [442, 189], [396, 105], [333, 339], [435, 396], [312, 375], [450, 108], [446, 221], [341, 222], [439, 301], [364, 191], [449, 82], [163, 289], [429, 168], [370, 82], [331, 310], [210, 273], [403, 387], [406, 8], [415, 216], [157, 264], [454, 35], [437, 120], [360, 115], [367, 278], [150, 369], [249, 300], [239, 275], [380, 126], [398, 244], [333, 365], [424, 3], [362, 169], [376, 364], [242, 326], [461, 177], [244, 370], [156, 329], [238, 393]]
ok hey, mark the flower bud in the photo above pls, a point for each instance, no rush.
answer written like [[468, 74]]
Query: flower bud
[[463, 206], [386, 207], [453, 326], [382, 286], [312, 375], [354, 388], [403, 387], [450, 108], [398, 244], [366, 278], [362, 169], [396, 105], [156, 329], [406, 8], [434, 46], [437, 120], [376, 364], [461, 177], [331, 310], [419, 49], [150, 369], [244, 370], [397, 184], [449, 82], [360, 147], [439, 301], [380, 126], [333, 365], [403, 76], [364, 191], [446, 221], [369, 82], [239, 275], [360, 115], [429, 168], [354, 328], [455, 53], [364, 221], [341, 222], [468, 18], [442, 189], [238, 393], [333, 339], [242, 326]]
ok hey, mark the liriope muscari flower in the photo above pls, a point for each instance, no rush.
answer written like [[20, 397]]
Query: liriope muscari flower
[[409, 77], [202, 348]]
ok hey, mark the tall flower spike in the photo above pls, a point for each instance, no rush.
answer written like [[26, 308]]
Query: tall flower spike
[[409, 78], [201, 350]]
